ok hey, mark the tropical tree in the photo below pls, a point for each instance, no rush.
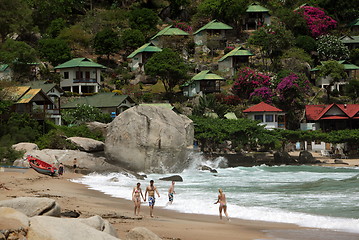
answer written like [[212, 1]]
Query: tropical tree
[[168, 66], [15, 15], [55, 51], [107, 42], [273, 40], [352, 90], [143, 19], [55, 27], [84, 113], [132, 38], [330, 47]]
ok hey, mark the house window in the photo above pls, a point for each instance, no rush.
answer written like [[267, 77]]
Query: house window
[[270, 118], [66, 75], [79, 75], [87, 75], [258, 118]]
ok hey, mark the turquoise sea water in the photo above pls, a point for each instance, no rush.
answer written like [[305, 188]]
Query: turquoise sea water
[[311, 196]]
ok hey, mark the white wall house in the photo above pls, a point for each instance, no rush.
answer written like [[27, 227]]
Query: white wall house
[[202, 83], [234, 60], [80, 75], [267, 115], [256, 16], [214, 30], [140, 56]]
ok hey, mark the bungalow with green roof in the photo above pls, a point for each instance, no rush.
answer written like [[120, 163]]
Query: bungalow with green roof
[[140, 56], [351, 42], [352, 71], [214, 30], [354, 26], [204, 82], [233, 60], [80, 75], [256, 16], [5, 72], [167, 33], [54, 92], [108, 102]]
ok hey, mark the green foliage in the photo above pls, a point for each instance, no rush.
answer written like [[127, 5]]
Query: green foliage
[[307, 43], [55, 27], [333, 69], [208, 104], [76, 36], [354, 56], [56, 51], [330, 47], [8, 155], [15, 15], [143, 19], [84, 113], [55, 139], [228, 11], [292, 20], [169, 67], [132, 38], [18, 55], [107, 42], [352, 90]]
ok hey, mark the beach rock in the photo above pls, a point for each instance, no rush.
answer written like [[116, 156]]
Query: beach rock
[[12, 219], [306, 157], [149, 139], [86, 162], [206, 168], [100, 224], [98, 127], [33, 206], [176, 178], [339, 161], [87, 144], [70, 214], [141, 233], [25, 146], [2, 236], [50, 228], [283, 158]]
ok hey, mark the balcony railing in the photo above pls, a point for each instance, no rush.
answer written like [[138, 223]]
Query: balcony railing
[[83, 80]]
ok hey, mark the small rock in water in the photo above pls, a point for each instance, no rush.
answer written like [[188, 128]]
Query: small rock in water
[[176, 178], [114, 179]]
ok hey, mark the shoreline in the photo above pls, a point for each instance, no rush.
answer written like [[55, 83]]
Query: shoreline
[[167, 224]]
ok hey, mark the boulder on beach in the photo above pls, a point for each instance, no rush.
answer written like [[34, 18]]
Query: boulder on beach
[[12, 219], [149, 139], [283, 158], [141, 233], [100, 224], [176, 178], [306, 157], [98, 126], [25, 146], [87, 144], [50, 228], [33, 206]]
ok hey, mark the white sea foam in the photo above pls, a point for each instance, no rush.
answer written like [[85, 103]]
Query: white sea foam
[[287, 195]]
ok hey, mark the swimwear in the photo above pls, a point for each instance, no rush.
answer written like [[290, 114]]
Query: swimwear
[[170, 197], [223, 205], [151, 201], [137, 199]]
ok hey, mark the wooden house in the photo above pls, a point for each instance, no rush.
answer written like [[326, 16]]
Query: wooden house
[[256, 16], [212, 31], [204, 82], [140, 56], [165, 37], [234, 60]]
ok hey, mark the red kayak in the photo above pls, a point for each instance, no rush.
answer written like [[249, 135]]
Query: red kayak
[[41, 166]]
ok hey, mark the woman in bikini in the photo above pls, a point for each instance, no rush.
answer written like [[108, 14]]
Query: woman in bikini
[[136, 197], [222, 204]]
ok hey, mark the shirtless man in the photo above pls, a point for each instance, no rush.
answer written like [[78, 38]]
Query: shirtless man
[[171, 191], [151, 189], [222, 204], [136, 197]]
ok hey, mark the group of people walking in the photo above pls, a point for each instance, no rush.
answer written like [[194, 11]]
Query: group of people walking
[[151, 190]]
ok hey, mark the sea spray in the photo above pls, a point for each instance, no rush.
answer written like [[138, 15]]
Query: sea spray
[[310, 196]]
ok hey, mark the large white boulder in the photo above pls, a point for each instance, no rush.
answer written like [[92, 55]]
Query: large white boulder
[[50, 228], [87, 144], [11, 218], [25, 146], [149, 139], [100, 224], [33, 206], [141, 233]]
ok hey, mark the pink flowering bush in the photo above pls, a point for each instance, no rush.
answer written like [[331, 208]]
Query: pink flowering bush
[[317, 21], [262, 94], [292, 88], [183, 26], [248, 80]]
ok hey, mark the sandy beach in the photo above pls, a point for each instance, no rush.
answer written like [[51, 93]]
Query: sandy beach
[[166, 224]]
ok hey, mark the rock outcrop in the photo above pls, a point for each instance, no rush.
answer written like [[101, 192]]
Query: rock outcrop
[[176, 178], [87, 144], [141, 233], [283, 158], [149, 139], [32, 206], [25, 146], [98, 126], [306, 157]]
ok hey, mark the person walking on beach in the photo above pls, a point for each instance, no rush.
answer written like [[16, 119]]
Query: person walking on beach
[[151, 189], [171, 191], [61, 169], [222, 204], [75, 164], [136, 197]]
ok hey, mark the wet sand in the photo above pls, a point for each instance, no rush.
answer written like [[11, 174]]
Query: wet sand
[[166, 224]]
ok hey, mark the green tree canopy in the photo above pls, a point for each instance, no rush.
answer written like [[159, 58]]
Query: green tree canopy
[[15, 15], [107, 42], [55, 27], [84, 113], [56, 51], [168, 66], [132, 38], [143, 19]]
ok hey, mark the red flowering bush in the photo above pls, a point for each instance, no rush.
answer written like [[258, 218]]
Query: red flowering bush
[[292, 88], [317, 21], [248, 80]]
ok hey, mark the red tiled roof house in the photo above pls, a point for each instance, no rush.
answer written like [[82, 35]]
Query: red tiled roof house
[[268, 115]]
